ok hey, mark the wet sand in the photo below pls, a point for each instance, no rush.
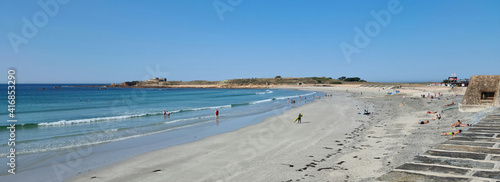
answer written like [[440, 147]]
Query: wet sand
[[333, 143]]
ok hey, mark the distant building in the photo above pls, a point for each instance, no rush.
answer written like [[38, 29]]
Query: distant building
[[452, 80], [156, 80], [463, 82]]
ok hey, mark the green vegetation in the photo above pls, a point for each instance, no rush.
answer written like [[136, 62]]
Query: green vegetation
[[283, 81], [351, 79], [277, 80]]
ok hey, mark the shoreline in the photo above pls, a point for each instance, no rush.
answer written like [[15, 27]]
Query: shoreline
[[334, 143], [235, 148], [63, 164]]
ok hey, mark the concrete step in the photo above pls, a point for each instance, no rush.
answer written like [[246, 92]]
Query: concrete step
[[473, 155]]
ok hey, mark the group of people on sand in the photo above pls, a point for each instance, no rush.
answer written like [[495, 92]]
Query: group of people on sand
[[454, 125]]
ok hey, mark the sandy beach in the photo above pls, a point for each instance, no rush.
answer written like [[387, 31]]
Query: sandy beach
[[332, 143]]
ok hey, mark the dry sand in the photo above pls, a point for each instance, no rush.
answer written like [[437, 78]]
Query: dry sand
[[333, 143]]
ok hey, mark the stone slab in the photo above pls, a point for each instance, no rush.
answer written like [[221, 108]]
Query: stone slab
[[462, 155], [487, 174], [465, 148], [408, 176], [454, 162], [479, 144]]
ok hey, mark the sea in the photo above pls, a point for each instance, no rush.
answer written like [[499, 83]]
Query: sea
[[54, 118]]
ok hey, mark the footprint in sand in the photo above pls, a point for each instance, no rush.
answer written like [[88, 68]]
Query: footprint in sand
[[158, 170]]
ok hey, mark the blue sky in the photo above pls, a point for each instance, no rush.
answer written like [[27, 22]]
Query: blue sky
[[113, 41]]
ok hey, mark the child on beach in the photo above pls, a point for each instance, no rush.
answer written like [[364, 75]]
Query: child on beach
[[164, 113]]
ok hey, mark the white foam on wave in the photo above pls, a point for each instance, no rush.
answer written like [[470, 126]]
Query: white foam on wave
[[90, 120], [294, 96], [205, 108], [111, 130], [104, 141], [265, 92], [261, 101]]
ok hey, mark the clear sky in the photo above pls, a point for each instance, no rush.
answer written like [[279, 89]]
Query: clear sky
[[112, 41]]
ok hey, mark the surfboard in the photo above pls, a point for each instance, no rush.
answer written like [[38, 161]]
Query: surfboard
[[297, 118]]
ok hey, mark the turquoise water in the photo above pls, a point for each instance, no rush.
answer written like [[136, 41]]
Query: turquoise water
[[53, 119]]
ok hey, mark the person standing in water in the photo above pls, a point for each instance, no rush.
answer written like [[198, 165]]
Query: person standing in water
[[217, 113], [164, 113]]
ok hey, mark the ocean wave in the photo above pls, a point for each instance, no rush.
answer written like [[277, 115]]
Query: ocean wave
[[294, 96], [261, 101], [205, 108], [265, 92], [90, 144], [92, 120]]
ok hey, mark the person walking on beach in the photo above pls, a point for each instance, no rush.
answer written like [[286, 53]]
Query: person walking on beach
[[299, 118]]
